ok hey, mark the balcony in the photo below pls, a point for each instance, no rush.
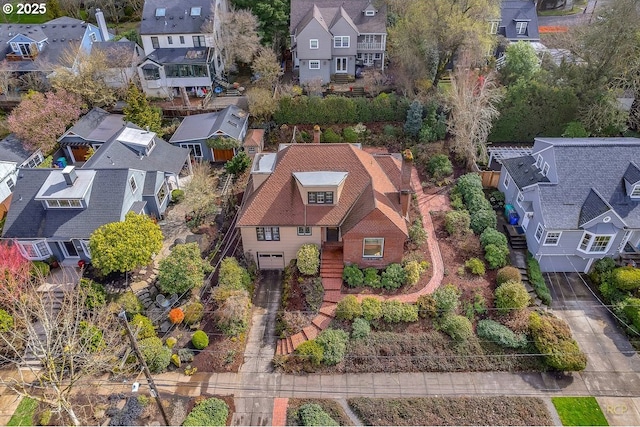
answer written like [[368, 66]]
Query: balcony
[[370, 46]]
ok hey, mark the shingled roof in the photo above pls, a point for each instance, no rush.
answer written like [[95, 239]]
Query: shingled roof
[[177, 18], [230, 121], [523, 171], [368, 188], [329, 9]]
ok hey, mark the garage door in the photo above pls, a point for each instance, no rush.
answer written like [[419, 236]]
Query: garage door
[[271, 261]]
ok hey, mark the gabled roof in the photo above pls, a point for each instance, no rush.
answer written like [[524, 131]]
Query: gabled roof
[[97, 125], [12, 150], [229, 121], [341, 13], [313, 14], [632, 174], [121, 50], [367, 188], [254, 138], [27, 217], [593, 207], [523, 171], [177, 17], [512, 11], [301, 10]]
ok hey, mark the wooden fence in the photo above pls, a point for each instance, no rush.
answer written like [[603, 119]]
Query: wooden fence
[[490, 178]]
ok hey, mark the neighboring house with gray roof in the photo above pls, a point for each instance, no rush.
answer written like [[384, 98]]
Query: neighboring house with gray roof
[[13, 155], [180, 55], [194, 131], [578, 199], [330, 37], [123, 56], [518, 21]]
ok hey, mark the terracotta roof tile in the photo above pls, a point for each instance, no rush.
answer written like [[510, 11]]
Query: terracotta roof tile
[[254, 138]]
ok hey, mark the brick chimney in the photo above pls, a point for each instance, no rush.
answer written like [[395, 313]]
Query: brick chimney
[[405, 183], [316, 134]]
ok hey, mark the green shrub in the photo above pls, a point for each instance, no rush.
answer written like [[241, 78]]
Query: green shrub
[[331, 136], [427, 306], [396, 312], [177, 195], [95, 294], [611, 293], [6, 321], [455, 198], [552, 337], [631, 309], [508, 274], [348, 308], [475, 266], [130, 303], [371, 308], [142, 327], [185, 355], [45, 417], [434, 126], [170, 343], [310, 351], [393, 277], [390, 130], [210, 412], [483, 219], [200, 340], [469, 184], [155, 354], [232, 275], [238, 164], [308, 259], [371, 277], [626, 278], [458, 327], [312, 414], [417, 234], [334, 344], [353, 276], [91, 337], [439, 166], [349, 135], [413, 122], [491, 236], [412, 271], [496, 256], [193, 312], [537, 281], [511, 296], [478, 305], [457, 222], [604, 265], [39, 269], [233, 314], [182, 270], [447, 299], [500, 334], [360, 328]]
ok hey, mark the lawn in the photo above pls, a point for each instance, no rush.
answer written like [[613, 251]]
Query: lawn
[[579, 411], [24, 413]]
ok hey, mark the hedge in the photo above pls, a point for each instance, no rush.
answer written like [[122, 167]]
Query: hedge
[[312, 414], [626, 278], [308, 259], [371, 308], [537, 281], [210, 412], [552, 337], [500, 334], [348, 308], [396, 312]]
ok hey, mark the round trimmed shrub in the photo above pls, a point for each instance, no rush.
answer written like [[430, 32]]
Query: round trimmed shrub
[[412, 271], [508, 274], [348, 308], [310, 351], [130, 303], [360, 329], [177, 196], [426, 306], [155, 354], [475, 266], [496, 256], [491, 236], [371, 277], [458, 327], [353, 276], [447, 298], [308, 259], [6, 321], [143, 326], [193, 312], [312, 414], [493, 331], [334, 345], [626, 278], [209, 412], [396, 312], [176, 315], [393, 277], [511, 296], [552, 337], [371, 308], [95, 294], [457, 222], [483, 219], [200, 340], [439, 166]]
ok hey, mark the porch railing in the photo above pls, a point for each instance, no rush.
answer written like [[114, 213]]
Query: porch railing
[[370, 46]]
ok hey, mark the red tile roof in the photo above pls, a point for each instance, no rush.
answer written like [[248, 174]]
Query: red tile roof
[[368, 187], [254, 138]]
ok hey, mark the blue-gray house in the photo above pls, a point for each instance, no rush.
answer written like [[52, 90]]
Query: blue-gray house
[[578, 199]]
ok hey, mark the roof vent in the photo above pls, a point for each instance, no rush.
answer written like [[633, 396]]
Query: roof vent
[[521, 164], [526, 171]]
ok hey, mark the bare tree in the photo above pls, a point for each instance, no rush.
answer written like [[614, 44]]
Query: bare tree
[[199, 193], [236, 34], [267, 68], [68, 343], [262, 103], [473, 100], [8, 77]]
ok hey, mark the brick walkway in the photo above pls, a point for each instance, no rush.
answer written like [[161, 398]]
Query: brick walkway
[[280, 411]]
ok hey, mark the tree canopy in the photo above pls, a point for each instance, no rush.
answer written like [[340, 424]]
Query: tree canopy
[[273, 17], [140, 112]]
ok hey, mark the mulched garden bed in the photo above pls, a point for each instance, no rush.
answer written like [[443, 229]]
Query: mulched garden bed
[[452, 411], [330, 406]]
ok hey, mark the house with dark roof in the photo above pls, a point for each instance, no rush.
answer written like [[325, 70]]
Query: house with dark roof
[[195, 130], [335, 196], [333, 37], [518, 21], [123, 56], [182, 55], [577, 200]]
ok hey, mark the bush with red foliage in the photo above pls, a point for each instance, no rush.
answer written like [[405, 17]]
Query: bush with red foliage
[[14, 273]]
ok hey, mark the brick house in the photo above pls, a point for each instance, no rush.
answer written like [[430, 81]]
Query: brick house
[[333, 195]]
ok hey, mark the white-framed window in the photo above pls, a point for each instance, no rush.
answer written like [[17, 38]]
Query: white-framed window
[[155, 43], [369, 38], [34, 161], [162, 194], [493, 27], [369, 12], [181, 39], [521, 28], [93, 37], [520, 198], [359, 56], [313, 44], [635, 193], [198, 41], [507, 180], [11, 184], [373, 247], [64, 203], [268, 234], [14, 47], [595, 243], [320, 197], [169, 39], [552, 238], [314, 64], [539, 232], [377, 56], [132, 184], [36, 250], [545, 169], [539, 161], [85, 247], [304, 231], [341, 41], [196, 150]]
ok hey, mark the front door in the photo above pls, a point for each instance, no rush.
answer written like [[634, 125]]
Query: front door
[[341, 65], [332, 234], [69, 249], [525, 220]]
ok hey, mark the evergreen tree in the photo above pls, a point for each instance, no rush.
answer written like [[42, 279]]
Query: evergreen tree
[[139, 112], [413, 124]]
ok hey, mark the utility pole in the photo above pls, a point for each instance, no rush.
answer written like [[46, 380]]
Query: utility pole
[[154, 390]]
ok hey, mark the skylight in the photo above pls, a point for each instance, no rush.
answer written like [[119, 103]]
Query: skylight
[[196, 10], [161, 11]]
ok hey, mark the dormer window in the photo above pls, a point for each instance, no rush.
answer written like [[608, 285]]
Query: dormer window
[[521, 28], [635, 193], [545, 169], [160, 11], [539, 161], [132, 184], [320, 197], [196, 11], [63, 203], [152, 144]]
